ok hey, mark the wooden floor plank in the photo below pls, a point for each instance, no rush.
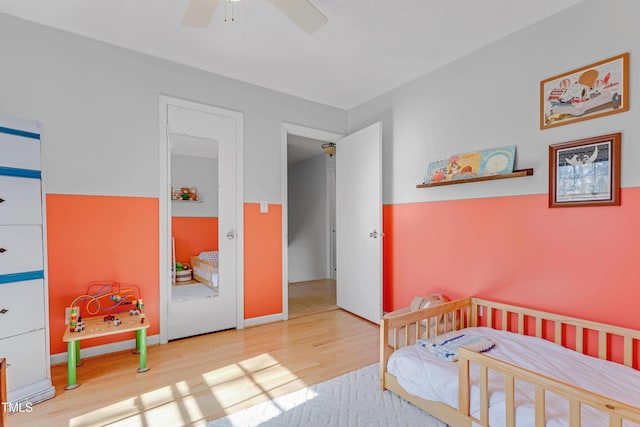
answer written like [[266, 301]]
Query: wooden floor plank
[[206, 377]]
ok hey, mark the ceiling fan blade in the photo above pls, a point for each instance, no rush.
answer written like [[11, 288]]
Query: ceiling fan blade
[[199, 13], [302, 13]]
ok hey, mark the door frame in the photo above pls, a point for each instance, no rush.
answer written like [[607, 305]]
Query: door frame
[[164, 198], [331, 206], [308, 132]]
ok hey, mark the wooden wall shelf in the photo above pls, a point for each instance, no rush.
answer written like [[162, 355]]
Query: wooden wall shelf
[[186, 201], [514, 174]]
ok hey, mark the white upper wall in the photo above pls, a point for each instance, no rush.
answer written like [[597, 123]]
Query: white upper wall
[[98, 105], [491, 98], [198, 172]]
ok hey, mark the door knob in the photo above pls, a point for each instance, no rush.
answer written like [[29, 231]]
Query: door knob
[[231, 235], [374, 234], [2, 250], [1, 200], [3, 311]]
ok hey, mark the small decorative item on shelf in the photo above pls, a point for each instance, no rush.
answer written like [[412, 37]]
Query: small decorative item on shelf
[[184, 193], [175, 193], [189, 194]]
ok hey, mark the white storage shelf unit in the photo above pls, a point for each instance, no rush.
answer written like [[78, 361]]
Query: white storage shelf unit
[[24, 336]]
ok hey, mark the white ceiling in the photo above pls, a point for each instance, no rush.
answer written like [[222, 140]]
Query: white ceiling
[[367, 48]]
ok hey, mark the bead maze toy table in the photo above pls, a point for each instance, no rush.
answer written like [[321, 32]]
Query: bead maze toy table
[[96, 327]]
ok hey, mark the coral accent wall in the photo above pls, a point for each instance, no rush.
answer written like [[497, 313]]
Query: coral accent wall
[[582, 262], [100, 238], [194, 235], [262, 260]]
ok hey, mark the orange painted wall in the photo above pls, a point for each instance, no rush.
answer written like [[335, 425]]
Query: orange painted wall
[[194, 235], [262, 260], [100, 238], [583, 262]]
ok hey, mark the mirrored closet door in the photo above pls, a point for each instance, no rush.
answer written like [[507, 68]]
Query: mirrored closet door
[[202, 214]]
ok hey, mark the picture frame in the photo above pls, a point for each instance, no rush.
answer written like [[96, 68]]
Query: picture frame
[[585, 172], [597, 90]]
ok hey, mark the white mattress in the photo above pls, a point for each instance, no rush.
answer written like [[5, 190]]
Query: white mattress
[[425, 375]]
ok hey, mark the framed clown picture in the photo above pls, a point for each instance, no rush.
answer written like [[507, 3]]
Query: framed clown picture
[[593, 91]]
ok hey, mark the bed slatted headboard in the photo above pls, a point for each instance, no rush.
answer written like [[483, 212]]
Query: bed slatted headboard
[[592, 338]]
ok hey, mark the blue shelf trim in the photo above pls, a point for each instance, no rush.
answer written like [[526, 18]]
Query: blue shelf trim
[[23, 173], [17, 132], [21, 277]]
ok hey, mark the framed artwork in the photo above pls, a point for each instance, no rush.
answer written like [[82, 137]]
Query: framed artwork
[[585, 172], [593, 91]]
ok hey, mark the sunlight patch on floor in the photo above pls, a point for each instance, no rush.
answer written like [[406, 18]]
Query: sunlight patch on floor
[[230, 388]]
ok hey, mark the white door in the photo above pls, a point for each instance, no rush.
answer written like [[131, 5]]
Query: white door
[[359, 222], [196, 308]]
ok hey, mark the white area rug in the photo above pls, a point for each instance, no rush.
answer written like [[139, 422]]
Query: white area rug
[[354, 399]]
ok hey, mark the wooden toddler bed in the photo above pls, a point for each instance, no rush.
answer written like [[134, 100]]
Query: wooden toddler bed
[[479, 377], [205, 268]]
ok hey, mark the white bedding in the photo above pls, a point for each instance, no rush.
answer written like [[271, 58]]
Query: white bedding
[[425, 375]]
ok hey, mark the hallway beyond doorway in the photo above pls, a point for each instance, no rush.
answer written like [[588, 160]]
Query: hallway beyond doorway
[[312, 296]]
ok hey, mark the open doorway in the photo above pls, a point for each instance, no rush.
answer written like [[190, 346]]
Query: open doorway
[[310, 240], [358, 210]]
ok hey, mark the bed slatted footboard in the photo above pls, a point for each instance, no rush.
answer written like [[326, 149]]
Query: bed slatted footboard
[[203, 271], [595, 339]]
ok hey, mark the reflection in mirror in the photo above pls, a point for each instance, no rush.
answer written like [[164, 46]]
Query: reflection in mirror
[[194, 217]]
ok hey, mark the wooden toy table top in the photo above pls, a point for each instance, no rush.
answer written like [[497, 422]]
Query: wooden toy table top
[[97, 327]]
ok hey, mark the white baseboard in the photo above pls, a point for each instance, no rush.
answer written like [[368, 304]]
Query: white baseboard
[[103, 349], [30, 394], [264, 319]]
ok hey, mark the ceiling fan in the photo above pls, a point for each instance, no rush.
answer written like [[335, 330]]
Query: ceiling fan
[[301, 12]]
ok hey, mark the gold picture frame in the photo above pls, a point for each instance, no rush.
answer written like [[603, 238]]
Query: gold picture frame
[[593, 91]]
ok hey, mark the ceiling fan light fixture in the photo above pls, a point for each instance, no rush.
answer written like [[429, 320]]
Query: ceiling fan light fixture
[[302, 12], [329, 148], [226, 5]]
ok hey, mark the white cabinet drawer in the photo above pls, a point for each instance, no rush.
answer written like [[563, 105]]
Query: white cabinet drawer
[[26, 359], [19, 152], [20, 248], [21, 307], [21, 200]]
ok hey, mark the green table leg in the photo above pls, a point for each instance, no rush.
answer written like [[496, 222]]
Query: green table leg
[[73, 350], [141, 346], [78, 360], [137, 349]]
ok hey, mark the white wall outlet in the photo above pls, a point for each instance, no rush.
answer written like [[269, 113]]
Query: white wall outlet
[[264, 207], [67, 315]]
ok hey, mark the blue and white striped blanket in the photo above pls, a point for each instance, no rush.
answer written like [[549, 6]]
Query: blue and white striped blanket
[[446, 345]]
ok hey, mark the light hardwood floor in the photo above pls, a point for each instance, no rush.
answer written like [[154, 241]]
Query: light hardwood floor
[[203, 378], [313, 296]]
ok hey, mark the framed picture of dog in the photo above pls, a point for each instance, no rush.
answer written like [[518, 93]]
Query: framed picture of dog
[[593, 91]]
